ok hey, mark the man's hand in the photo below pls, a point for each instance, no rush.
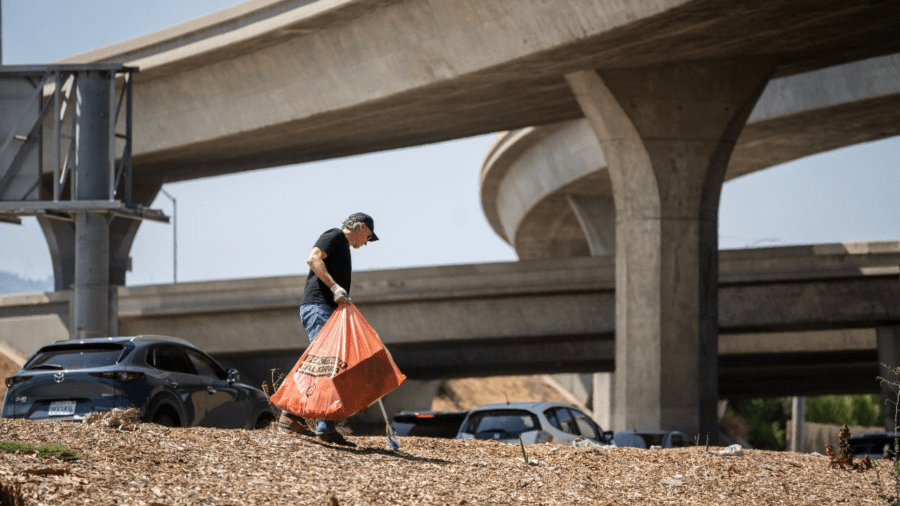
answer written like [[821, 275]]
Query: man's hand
[[340, 295]]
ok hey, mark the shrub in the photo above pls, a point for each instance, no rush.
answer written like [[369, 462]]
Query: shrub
[[865, 410]]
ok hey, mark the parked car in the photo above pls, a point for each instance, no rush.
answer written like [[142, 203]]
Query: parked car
[[648, 438], [168, 380], [441, 424], [877, 445], [534, 422]]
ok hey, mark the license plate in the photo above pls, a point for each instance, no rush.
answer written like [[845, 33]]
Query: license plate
[[61, 408]]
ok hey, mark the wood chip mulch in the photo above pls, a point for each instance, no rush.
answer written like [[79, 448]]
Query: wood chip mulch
[[122, 461]]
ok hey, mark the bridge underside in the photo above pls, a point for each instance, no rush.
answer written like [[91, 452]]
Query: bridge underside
[[752, 375], [336, 79]]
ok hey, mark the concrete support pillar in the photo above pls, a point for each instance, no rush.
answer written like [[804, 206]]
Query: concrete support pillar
[[798, 422], [888, 339], [603, 403], [667, 133], [92, 293], [60, 236], [597, 217], [91, 300]]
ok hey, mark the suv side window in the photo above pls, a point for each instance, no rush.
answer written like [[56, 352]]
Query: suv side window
[[167, 357], [205, 365], [586, 426]]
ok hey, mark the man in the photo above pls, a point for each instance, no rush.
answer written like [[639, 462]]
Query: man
[[328, 283]]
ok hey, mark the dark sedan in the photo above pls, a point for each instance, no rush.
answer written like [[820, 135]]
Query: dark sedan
[[168, 380]]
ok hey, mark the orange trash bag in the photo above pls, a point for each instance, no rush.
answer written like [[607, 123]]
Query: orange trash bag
[[345, 370]]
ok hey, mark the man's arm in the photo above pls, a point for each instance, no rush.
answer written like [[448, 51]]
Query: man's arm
[[316, 263]]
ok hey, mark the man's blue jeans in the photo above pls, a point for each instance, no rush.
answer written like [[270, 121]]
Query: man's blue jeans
[[314, 317]]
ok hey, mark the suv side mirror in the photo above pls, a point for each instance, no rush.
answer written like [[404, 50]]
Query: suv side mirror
[[233, 375]]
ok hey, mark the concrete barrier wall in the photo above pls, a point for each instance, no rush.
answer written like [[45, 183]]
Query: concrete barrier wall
[[817, 435]]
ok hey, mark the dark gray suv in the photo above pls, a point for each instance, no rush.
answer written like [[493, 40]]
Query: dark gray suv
[[168, 380]]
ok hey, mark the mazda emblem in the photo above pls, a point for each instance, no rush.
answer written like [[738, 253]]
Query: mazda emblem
[[59, 377]]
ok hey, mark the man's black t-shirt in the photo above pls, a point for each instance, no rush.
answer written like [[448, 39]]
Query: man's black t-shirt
[[337, 260]]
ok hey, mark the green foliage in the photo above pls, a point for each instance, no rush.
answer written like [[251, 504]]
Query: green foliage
[[767, 420], [768, 417], [866, 410], [522, 445], [46, 450]]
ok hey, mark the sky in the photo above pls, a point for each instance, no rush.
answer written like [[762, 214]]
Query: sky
[[425, 200]]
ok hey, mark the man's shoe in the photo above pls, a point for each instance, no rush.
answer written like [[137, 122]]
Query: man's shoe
[[335, 438], [288, 422]]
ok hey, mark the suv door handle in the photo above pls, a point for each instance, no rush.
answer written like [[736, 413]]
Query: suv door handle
[[172, 384]]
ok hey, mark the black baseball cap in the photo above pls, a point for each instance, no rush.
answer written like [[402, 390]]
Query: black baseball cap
[[365, 218]]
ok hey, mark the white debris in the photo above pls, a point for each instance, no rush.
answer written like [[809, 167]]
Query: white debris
[[582, 442], [733, 451], [675, 481]]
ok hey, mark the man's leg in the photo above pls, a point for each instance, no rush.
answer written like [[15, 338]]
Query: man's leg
[[314, 317], [293, 423]]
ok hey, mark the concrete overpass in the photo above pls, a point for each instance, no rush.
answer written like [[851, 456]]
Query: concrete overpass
[[794, 320], [546, 189], [277, 82], [666, 88]]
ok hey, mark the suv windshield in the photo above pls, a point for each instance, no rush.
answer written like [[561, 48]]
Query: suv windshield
[[508, 423], [76, 356]]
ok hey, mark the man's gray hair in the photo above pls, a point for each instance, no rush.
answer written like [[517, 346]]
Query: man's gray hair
[[353, 224]]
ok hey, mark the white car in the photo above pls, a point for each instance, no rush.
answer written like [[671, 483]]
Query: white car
[[647, 438], [533, 422]]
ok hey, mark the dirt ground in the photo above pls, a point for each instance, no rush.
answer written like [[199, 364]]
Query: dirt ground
[[150, 465], [121, 461]]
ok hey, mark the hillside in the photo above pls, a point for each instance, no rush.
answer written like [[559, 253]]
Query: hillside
[[12, 283]]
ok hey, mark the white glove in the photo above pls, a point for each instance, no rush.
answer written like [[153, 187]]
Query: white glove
[[340, 295]]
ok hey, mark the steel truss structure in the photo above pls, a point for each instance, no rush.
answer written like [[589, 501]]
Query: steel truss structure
[[26, 133], [72, 113]]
